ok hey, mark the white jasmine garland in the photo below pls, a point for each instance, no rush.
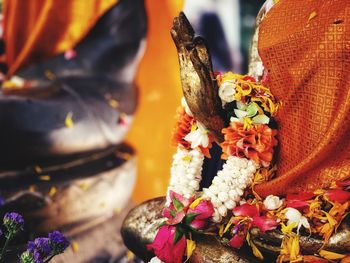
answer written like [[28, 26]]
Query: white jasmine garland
[[272, 202], [185, 173], [227, 91], [228, 186]]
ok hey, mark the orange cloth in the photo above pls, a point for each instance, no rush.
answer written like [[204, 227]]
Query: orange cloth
[[35, 30], [160, 87], [305, 46]]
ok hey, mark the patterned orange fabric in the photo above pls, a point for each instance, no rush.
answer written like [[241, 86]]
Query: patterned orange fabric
[[35, 30], [305, 46]]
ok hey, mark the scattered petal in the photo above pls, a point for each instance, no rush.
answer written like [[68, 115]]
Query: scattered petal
[[69, 120]]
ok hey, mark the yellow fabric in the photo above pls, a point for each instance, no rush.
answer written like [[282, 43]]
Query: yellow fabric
[[160, 88], [35, 30]]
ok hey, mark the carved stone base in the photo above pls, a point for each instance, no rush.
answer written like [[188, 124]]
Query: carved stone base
[[140, 227]]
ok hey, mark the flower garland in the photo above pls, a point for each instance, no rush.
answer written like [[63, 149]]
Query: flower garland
[[230, 203]]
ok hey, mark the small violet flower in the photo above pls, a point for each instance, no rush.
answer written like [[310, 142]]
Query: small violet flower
[[13, 223], [58, 242], [42, 244]]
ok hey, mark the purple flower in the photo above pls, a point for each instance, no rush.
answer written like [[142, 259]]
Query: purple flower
[[58, 242], [2, 201], [13, 223], [31, 246], [40, 245], [43, 245]]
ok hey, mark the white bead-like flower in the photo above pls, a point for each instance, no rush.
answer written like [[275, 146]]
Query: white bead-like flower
[[198, 136], [229, 185], [185, 106], [155, 260], [185, 172], [272, 202], [294, 216], [227, 91]]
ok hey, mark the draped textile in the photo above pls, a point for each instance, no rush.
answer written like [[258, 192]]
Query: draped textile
[[305, 47], [36, 30]]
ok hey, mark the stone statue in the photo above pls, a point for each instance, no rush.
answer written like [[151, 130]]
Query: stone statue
[[200, 92]]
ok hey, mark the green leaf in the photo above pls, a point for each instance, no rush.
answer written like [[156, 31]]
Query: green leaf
[[190, 217], [261, 119], [241, 105], [252, 109], [178, 234], [177, 204], [240, 113], [172, 213]]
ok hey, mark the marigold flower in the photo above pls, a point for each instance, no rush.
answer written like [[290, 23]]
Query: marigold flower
[[182, 128], [256, 143]]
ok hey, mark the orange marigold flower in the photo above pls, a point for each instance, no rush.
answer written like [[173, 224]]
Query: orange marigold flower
[[256, 143], [183, 127]]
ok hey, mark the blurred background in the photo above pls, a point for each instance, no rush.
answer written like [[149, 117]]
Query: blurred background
[[228, 26]]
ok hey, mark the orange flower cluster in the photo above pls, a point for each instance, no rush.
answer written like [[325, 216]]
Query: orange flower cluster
[[256, 143], [182, 128]]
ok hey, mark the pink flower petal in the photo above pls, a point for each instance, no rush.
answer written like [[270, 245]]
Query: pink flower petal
[[264, 223], [246, 210], [199, 224], [345, 183], [164, 248], [302, 196], [300, 205], [237, 241], [204, 210], [337, 195]]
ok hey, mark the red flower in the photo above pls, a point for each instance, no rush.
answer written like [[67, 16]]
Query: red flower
[[239, 233], [298, 201], [264, 223], [203, 212], [246, 210], [337, 195], [249, 78], [166, 248], [345, 183], [237, 241], [302, 196], [256, 143]]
